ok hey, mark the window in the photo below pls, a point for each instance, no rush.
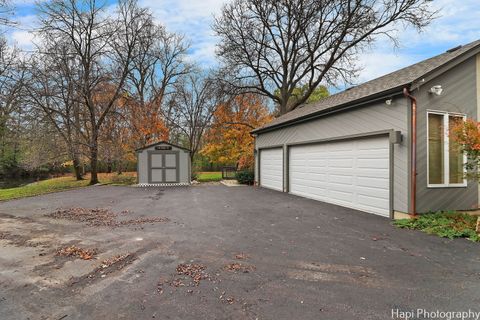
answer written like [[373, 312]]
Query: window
[[445, 157]]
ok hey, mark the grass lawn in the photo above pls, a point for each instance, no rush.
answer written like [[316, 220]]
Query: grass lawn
[[64, 183], [444, 224], [209, 176]]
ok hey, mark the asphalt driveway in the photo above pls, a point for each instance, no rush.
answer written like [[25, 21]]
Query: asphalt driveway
[[259, 254]]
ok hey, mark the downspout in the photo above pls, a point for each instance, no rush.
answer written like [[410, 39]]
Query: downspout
[[413, 159], [255, 157]]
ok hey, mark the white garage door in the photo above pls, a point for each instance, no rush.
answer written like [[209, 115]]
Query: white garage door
[[271, 168], [353, 173]]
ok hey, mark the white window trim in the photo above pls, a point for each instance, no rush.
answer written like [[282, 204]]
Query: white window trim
[[446, 151]]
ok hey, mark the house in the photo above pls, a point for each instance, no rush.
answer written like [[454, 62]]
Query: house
[[163, 164], [381, 147]]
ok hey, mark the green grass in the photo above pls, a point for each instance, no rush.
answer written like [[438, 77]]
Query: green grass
[[64, 183], [209, 176], [443, 224]]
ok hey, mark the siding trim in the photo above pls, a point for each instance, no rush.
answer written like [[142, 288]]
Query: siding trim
[[391, 177], [478, 100], [340, 138], [382, 96]]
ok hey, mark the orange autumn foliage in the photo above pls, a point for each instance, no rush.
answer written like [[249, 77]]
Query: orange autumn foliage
[[467, 134], [148, 125], [228, 141]]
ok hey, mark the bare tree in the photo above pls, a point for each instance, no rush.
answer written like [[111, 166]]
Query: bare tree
[[6, 13], [193, 106], [286, 44], [104, 45], [53, 89], [158, 63], [12, 78]]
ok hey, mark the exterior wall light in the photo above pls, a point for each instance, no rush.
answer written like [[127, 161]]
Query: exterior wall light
[[437, 90], [388, 102]]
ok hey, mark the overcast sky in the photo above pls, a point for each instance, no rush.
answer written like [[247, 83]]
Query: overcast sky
[[459, 23]]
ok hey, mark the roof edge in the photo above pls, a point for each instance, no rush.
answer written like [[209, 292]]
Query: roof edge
[[429, 76], [342, 107], [161, 142]]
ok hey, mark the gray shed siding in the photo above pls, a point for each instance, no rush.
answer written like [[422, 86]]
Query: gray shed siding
[[362, 120], [184, 165], [459, 95]]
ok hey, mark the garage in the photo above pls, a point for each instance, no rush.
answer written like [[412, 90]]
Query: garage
[[271, 168], [350, 173], [163, 164]]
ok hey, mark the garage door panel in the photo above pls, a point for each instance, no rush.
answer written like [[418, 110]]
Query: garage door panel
[[341, 179], [271, 168], [353, 173], [372, 203], [341, 163], [373, 163], [370, 182], [318, 163], [341, 195]]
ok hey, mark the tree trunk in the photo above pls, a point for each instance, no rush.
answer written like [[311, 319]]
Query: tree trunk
[[109, 167], [94, 159], [77, 168]]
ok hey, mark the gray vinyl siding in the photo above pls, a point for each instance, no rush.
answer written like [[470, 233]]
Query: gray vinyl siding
[[459, 95], [362, 120], [183, 165]]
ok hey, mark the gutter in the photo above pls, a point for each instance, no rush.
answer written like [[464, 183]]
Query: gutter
[[413, 154]]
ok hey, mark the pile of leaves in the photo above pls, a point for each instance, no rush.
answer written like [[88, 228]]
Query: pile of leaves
[[95, 217], [73, 251], [241, 256], [107, 263], [101, 217], [444, 224], [194, 271], [143, 220], [236, 267]]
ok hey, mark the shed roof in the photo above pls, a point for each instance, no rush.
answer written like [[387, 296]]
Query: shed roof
[[161, 142], [382, 85]]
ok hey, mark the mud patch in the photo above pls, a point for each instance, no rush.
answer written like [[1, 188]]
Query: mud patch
[[336, 273], [20, 241], [108, 266]]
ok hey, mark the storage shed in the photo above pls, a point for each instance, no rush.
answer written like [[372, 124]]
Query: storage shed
[[163, 164]]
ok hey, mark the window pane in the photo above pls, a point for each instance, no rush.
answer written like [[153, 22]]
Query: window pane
[[435, 149], [455, 153]]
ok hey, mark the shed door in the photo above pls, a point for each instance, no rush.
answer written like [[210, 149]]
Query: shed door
[[271, 168], [353, 173], [163, 167]]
